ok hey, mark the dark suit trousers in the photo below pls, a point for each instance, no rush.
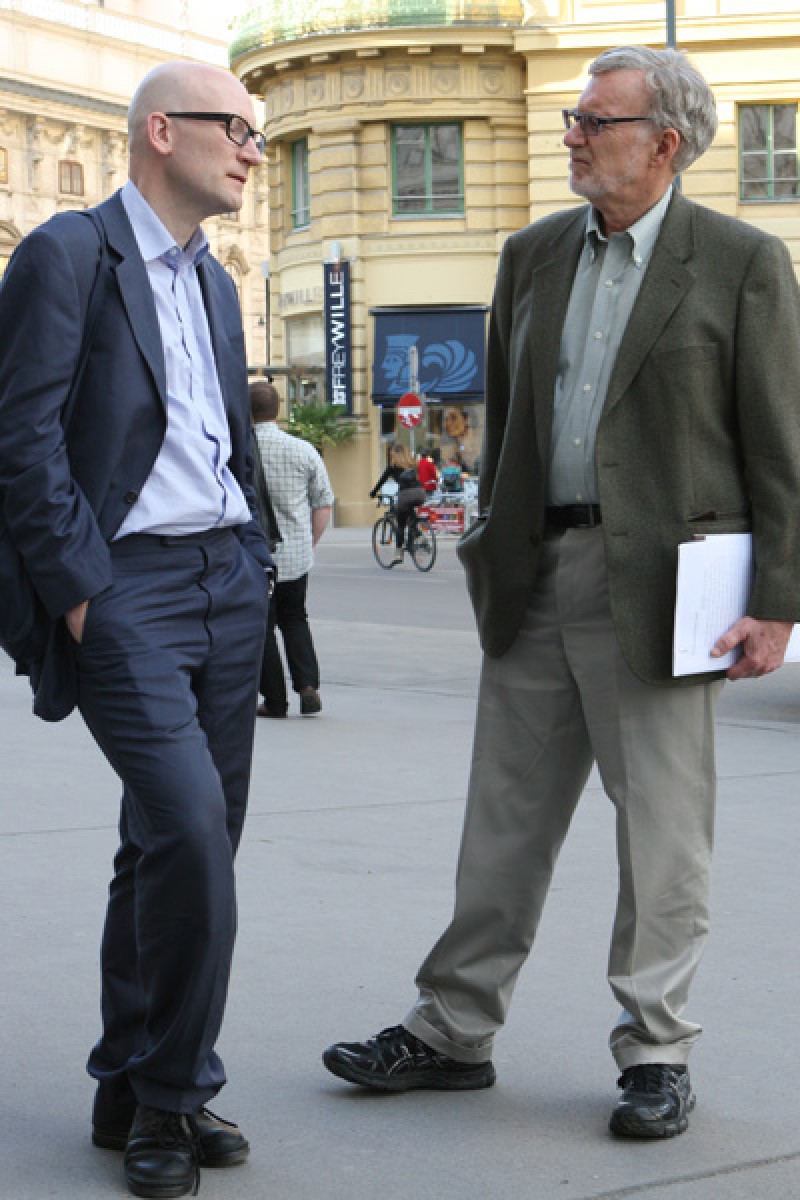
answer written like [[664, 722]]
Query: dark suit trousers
[[287, 611], [167, 686]]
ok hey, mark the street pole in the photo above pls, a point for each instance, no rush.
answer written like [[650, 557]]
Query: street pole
[[413, 381], [672, 44], [672, 32]]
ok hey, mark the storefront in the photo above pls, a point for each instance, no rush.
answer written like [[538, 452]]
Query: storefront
[[437, 353]]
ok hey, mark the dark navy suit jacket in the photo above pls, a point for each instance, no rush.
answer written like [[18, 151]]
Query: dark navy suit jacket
[[67, 492]]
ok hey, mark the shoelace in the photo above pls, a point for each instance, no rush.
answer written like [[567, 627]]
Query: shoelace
[[647, 1078], [171, 1130], [206, 1112]]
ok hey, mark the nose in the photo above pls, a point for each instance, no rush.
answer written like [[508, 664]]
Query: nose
[[250, 152], [573, 136]]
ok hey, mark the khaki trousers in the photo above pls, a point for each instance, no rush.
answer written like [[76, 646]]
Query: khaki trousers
[[560, 699]]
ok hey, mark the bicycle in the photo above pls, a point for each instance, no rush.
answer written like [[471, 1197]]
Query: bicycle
[[420, 539]]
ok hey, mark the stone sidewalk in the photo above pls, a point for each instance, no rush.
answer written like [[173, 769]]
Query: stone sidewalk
[[345, 879]]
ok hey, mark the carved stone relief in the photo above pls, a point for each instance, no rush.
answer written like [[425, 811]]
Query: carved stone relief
[[353, 84]]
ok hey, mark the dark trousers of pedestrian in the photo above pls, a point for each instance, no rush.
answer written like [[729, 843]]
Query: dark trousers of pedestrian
[[287, 612], [167, 687], [407, 500]]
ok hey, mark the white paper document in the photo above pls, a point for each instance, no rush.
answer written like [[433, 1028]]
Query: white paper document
[[715, 574]]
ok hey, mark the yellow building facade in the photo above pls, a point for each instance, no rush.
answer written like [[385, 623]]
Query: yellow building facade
[[67, 73], [408, 138]]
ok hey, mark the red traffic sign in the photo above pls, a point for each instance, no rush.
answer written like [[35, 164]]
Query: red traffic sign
[[409, 410]]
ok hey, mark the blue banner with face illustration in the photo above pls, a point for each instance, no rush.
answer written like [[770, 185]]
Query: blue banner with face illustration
[[450, 345], [338, 343]]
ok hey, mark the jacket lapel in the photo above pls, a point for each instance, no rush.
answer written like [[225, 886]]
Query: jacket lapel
[[135, 290], [551, 285], [664, 286]]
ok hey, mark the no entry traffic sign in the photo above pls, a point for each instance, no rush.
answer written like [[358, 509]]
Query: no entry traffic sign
[[409, 410]]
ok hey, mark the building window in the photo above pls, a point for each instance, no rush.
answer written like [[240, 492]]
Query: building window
[[70, 178], [768, 149], [301, 202], [3, 165], [428, 170]]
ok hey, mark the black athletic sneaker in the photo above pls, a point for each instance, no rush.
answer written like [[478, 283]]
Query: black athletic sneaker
[[656, 1101], [396, 1061]]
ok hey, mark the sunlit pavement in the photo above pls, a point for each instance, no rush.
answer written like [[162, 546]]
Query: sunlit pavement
[[345, 878]]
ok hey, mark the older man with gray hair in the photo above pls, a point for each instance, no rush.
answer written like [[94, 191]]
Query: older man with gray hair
[[643, 378]]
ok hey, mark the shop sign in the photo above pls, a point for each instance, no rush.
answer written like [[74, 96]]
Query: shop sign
[[450, 353], [444, 518], [338, 335]]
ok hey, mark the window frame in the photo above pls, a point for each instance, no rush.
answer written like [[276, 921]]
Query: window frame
[[301, 190], [3, 164], [71, 168], [769, 152], [459, 208]]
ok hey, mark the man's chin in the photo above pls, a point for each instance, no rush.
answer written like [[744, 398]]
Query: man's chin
[[584, 188]]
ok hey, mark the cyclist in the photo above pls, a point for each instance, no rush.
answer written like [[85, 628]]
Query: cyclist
[[402, 469]]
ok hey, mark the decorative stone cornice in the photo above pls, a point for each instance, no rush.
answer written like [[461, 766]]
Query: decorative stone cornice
[[358, 89]]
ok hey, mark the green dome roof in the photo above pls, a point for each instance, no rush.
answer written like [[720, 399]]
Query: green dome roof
[[287, 20]]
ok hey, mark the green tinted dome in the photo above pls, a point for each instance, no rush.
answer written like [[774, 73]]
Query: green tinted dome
[[287, 20]]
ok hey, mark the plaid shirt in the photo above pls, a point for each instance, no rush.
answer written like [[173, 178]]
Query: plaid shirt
[[297, 482]]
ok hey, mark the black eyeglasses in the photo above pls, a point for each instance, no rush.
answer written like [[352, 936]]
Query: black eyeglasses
[[238, 130], [591, 124]]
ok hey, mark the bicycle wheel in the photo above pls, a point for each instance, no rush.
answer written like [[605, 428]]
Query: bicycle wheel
[[423, 547], [384, 542]]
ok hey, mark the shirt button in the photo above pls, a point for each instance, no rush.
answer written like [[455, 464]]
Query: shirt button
[[587, 387], [131, 497], [576, 442], [609, 283], [598, 337]]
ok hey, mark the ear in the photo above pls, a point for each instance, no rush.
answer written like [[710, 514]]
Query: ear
[[667, 146], [159, 133]]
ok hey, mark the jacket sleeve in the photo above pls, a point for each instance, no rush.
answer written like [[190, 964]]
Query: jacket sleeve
[[768, 405], [43, 303]]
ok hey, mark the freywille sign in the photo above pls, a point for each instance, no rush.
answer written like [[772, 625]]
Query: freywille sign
[[338, 348]]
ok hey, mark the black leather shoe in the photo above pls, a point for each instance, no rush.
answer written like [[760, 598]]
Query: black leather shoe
[[310, 703], [160, 1158], [656, 1101], [219, 1143], [396, 1061]]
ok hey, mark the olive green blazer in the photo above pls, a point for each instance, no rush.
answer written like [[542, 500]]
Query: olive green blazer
[[700, 432]]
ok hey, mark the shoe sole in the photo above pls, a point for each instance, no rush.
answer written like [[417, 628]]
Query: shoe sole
[[482, 1077], [626, 1125], [153, 1191]]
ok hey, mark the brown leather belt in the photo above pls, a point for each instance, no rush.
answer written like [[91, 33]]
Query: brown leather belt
[[573, 516]]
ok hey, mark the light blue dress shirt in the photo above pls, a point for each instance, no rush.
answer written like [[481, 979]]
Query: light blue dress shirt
[[607, 282], [190, 487]]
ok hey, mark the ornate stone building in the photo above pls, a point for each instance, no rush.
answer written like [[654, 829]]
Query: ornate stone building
[[408, 138], [67, 72]]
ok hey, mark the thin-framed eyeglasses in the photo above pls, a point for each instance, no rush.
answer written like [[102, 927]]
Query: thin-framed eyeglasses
[[238, 130], [591, 124]]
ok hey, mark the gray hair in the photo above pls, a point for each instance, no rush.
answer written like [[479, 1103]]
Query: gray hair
[[681, 97]]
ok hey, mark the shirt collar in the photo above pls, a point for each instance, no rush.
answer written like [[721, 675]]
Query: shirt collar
[[643, 233], [153, 238]]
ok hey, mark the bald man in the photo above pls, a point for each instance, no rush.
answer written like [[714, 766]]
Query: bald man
[[125, 475]]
